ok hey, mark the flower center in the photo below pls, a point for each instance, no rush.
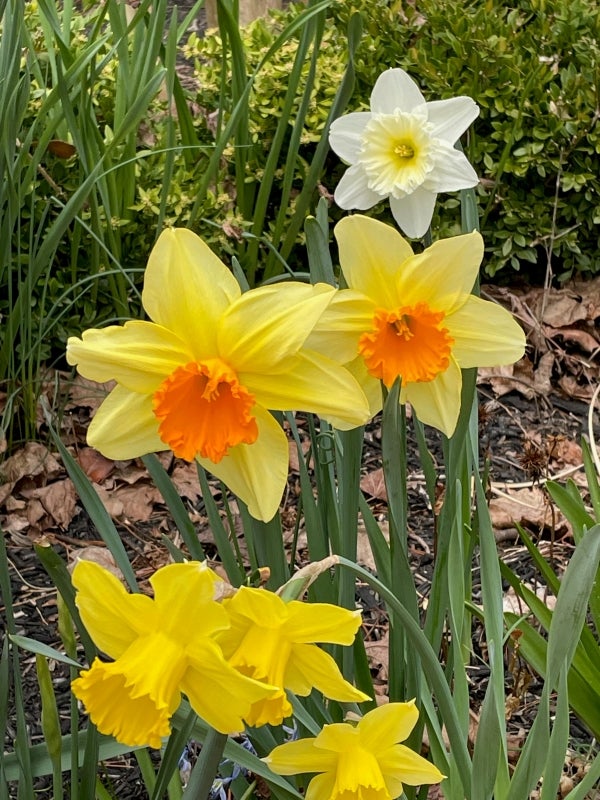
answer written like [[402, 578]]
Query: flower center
[[409, 343], [397, 152], [404, 150], [204, 410]]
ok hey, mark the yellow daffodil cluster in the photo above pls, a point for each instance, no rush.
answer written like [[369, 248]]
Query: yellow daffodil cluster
[[202, 377], [232, 659]]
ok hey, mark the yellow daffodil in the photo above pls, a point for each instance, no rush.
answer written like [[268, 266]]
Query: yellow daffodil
[[362, 762], [403, 148], [161, 647], [273, 641], [201, 378], [411, 316]]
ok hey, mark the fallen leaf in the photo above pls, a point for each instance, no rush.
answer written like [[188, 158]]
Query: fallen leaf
[[373, 483], [586, 341], [34, 459], [529, 507], [185, 480], [58, 500], [378, 655], [364, 554], [99, 555], [86, 394], [94, 464], [570, 386], [138, 501]]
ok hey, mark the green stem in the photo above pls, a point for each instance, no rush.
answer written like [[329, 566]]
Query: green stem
[[206, 766]]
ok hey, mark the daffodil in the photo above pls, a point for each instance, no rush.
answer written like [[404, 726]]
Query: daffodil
[[201, 377], [362, 762], [411, 316], [161, 647], [273, 641], [403, 148]]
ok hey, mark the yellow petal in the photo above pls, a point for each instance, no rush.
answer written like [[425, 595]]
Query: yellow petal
[[336, 333], [485, 335], [437, 402], [338, 737], [442, 275], [401, 764], [187, 288], [321, 622], [313, 383], [371, 253], [300, 756], [256, 472], [113, 617], [134, 721], [320, 670], [217, 692], [125, 426], [371, 387], [186, 591], [387, 725], [321, 787], [261, 606], [138, 355], [267, 326]]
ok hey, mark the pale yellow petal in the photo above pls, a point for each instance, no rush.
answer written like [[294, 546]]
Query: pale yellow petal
[[187, 288], [371, 254], [402, 764], [320, 670], [114, 618], [485, 335], [337, 332], [387, 725], [443, 275], [217, 692], [437, 402], [321, 622], [125, 426], [314, 383], [300, 756], [266, 326], [370, 386], [139, 355], [257, 472]]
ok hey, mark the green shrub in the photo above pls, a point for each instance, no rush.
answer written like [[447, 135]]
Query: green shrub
[[534, 69]]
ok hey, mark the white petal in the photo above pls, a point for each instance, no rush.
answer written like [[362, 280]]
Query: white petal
[[414, 212], [452, 117], [345, 135], [452, 171], [352, 190], [395, 89]]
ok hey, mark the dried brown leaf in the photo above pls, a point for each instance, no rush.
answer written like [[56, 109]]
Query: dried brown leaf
[[94, 464], [373, 483]]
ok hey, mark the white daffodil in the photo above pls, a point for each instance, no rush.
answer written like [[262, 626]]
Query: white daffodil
[[403, 148]]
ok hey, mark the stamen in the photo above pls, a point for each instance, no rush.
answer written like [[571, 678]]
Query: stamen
[[204, 410], [404, 150], [409, 343]]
